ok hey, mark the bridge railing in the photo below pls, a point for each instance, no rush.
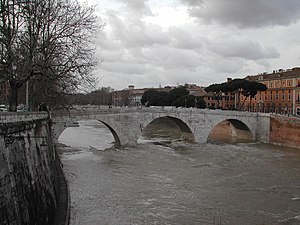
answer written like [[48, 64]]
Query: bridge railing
[[11, 117], [157, 109]]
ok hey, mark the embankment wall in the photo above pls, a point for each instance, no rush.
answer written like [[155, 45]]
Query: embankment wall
[[29, 175], [285, 131]]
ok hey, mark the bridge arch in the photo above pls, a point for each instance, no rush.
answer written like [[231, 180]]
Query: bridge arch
[[186, 133], [230, 131], [114, 133]]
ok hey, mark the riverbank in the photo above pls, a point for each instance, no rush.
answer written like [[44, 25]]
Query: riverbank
[[62, 214]]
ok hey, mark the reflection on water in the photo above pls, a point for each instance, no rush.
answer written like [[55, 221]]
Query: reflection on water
[[177, 182]]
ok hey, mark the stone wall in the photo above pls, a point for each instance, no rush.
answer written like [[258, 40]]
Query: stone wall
[[285, 131], [28, 179]]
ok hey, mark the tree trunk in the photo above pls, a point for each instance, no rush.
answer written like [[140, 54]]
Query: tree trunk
[[13, 96]]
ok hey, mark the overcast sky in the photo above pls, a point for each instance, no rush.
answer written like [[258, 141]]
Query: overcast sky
[[148, 43]]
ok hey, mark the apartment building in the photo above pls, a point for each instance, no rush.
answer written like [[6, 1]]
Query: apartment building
[[224, 101], [282, 95]]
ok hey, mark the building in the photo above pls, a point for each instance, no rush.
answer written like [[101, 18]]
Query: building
[[223, 101], [282, 95]]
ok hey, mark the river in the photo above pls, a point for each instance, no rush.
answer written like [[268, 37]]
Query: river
[[161, 181]]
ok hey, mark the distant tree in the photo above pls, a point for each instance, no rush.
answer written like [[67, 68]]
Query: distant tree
[[241, 86], [102, 96], [177, 93], [200, 103], [190, 101], [176, 97], [147, 95], [160, 98]]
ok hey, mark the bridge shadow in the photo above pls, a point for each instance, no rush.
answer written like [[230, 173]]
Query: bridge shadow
[[230, 131], [166, 130]]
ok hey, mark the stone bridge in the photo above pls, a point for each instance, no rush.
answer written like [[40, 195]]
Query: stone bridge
[[127, 124]]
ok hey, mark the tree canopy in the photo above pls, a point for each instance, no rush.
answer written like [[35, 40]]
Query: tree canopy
[[47, 43], [178, 97], [245, 87]]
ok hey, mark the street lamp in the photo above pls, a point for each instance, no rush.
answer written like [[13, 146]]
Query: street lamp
[[195, 103]]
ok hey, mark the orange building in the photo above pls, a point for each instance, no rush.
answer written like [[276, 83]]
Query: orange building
[[224, 101], [282, 95]]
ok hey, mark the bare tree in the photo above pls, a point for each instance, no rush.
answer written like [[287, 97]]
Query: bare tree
[[49, 44]]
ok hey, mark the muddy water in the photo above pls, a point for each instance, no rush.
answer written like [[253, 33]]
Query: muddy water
[[161, 181]]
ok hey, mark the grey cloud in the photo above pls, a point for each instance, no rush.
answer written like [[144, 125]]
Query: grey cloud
[[137, 7], [243, 49], [246, 13], [168, 57], [184, 39], [135, 33], [125, 68]]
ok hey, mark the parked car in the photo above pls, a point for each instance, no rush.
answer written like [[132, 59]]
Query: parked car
[[3, 108]]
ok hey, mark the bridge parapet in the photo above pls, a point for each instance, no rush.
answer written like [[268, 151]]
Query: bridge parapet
[[157, 109], [12, 117]]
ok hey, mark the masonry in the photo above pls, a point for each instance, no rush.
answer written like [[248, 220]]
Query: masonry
[[285, 131], [127, 124], [28, 170]]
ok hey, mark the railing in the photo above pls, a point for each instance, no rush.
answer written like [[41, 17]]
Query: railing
[[10, 117], [154, 109]]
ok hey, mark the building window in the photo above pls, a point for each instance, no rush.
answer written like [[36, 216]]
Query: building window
[[271, 84], [298, 111], [271, 96], [282, 96], [276, 95], [290, 96]]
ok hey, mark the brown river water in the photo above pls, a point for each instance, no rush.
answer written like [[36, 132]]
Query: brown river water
[[165, 181]]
